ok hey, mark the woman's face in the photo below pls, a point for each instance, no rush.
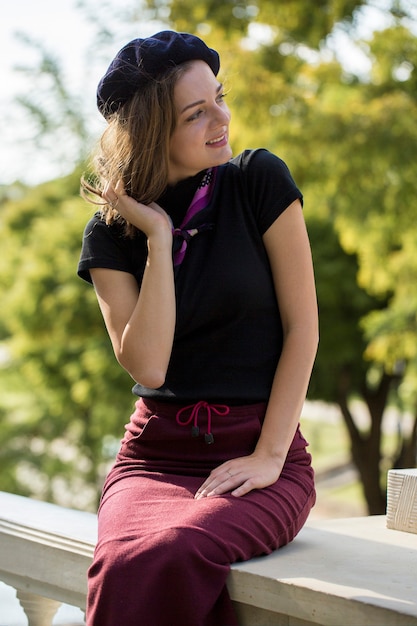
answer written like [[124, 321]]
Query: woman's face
[[201, 137]]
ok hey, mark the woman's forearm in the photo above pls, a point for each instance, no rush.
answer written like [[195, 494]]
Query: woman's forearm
[[288, 392], [146, 342]]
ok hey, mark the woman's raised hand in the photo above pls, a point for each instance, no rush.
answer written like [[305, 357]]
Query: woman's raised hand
[[150, 219]]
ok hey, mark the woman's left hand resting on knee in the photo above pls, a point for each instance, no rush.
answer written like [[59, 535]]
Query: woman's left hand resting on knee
[[241, 475]]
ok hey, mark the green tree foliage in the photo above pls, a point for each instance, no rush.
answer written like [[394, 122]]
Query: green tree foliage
[[294, 19], [341, 371], [63, 396], [375, 216], [350, 142]]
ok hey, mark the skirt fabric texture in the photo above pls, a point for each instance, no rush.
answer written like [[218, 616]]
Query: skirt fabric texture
[[162, 557]]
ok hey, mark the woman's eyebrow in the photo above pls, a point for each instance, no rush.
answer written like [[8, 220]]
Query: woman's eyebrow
[[197, 102]]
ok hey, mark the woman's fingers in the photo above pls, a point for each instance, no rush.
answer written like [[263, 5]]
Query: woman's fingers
[[216, 484], [109, 194], [240, 476], [145, 217]]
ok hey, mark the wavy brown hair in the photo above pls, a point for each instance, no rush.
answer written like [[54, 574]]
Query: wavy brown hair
[[134, 147]]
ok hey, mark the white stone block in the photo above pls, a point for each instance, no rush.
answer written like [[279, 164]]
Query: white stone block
[[402, 500]]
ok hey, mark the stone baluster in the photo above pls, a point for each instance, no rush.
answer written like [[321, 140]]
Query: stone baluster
[[40, 611]]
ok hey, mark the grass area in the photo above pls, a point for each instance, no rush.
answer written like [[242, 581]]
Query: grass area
[[339, 492], [339, 502], [329, 442]]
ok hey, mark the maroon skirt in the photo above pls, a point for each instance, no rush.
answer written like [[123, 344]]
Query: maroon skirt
[[162, 557]]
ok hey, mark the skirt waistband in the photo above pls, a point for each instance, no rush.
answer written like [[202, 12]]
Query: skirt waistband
[[190, 414]]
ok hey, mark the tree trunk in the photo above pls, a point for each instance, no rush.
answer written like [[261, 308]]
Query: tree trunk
[[366, 448], [407, 456]]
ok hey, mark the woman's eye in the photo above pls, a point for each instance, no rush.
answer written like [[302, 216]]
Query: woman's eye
[[195, 115]]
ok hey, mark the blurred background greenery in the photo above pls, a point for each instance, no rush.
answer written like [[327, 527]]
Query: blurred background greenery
[[348, 135]]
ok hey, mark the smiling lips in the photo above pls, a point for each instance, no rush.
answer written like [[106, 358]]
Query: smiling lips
[[218, 140]]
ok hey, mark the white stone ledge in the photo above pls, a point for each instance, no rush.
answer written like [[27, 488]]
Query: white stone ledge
[[45, 549], [336, 572], [353, 572]]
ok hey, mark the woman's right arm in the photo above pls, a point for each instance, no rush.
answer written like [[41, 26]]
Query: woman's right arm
[[141, 323]]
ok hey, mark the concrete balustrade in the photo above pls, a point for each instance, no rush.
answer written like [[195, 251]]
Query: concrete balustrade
[[343, 572]]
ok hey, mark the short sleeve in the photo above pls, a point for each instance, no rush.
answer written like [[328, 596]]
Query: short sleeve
[[107, 246], [270, 186]]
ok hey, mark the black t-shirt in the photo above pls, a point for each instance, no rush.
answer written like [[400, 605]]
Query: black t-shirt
[[228, 336]]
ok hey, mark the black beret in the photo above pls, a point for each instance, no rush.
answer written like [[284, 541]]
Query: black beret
[[144, 59]]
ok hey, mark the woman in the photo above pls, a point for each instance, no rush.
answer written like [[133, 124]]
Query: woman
[[202, 269]]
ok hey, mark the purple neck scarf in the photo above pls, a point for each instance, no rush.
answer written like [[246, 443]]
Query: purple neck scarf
[[200, 201]]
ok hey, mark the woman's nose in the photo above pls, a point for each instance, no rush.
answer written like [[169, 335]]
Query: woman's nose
[[222, 114]]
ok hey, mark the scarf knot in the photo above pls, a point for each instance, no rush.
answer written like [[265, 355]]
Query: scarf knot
[[200, 201]]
